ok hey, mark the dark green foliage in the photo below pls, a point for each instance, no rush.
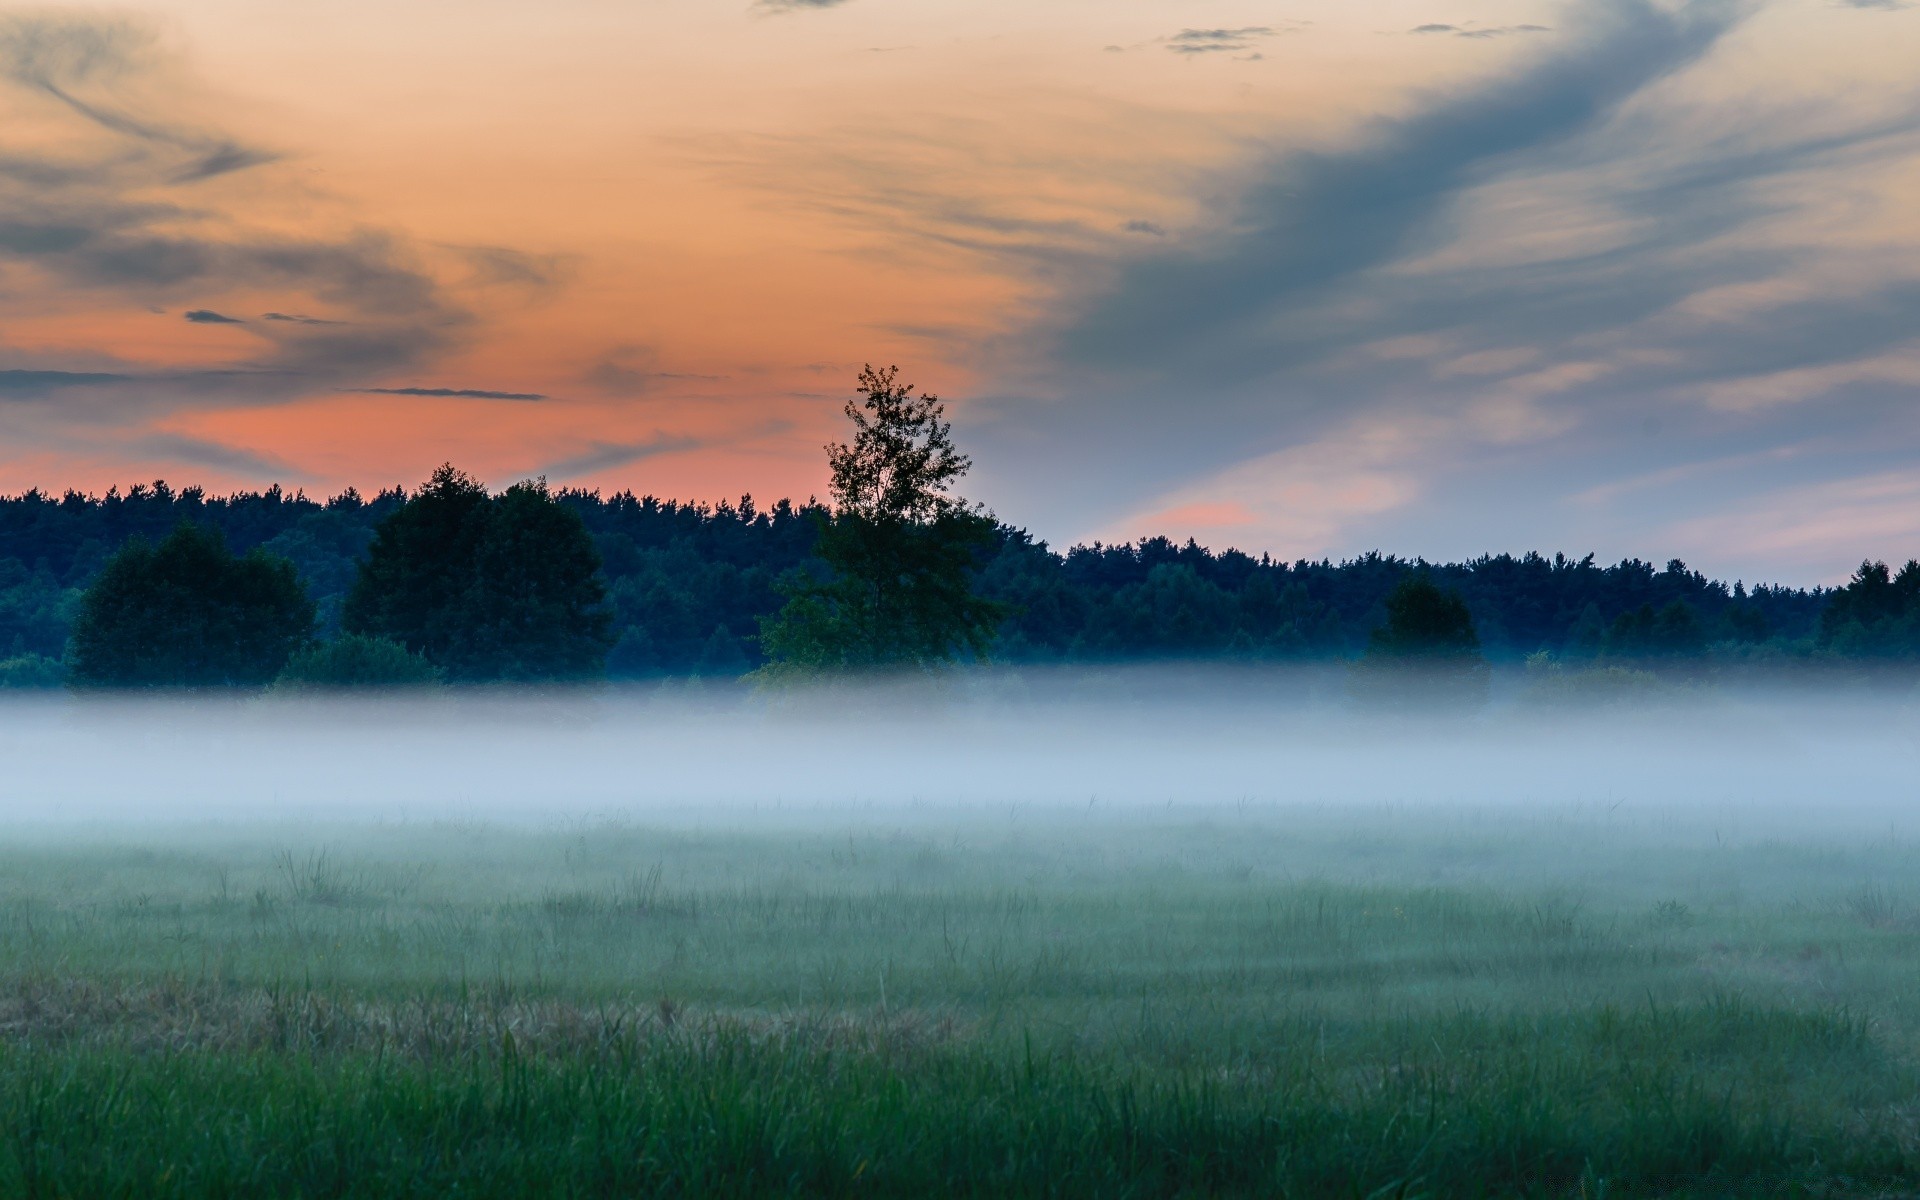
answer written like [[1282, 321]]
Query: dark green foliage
[[900, 550], [36, 612], [31, 671], [1426, 652], [536, 608], [1425, 623], [188, 613], [675, 571], [899, 594], [1673, 632], [485, 587], [414, 583], [356, 661], [1876, 615]]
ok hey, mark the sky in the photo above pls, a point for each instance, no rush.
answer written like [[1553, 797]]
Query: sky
[[1433, 277]]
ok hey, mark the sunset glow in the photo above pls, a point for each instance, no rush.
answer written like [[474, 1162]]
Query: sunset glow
[[1633, 277]]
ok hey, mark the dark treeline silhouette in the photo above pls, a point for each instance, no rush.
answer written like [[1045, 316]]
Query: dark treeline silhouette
[[687, 586]]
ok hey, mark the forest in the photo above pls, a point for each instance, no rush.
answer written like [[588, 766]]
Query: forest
[[686, 586]]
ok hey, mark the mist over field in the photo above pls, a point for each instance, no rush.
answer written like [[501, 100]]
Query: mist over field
[[994, 744]]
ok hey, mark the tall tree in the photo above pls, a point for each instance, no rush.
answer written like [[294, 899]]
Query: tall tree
[[901, 547], [188, 613], [536, 608], [485, 587], [412, 586]]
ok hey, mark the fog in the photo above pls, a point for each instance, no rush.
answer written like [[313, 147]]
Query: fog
[[1764, 762]]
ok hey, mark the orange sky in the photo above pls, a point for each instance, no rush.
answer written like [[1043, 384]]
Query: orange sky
[[682, 225]]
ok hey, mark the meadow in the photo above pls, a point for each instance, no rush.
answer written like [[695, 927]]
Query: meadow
[[1030, 1000]]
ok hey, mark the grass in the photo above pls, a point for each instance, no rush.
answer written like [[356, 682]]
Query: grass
[[1253, 1001]]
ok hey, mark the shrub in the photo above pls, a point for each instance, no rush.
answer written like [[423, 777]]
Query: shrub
[[356, 661], [32, 671]]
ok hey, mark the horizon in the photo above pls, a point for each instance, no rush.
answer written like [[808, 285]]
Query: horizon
[[300, 494]]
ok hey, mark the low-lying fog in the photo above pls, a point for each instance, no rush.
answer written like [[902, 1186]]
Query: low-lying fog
[[1101, 741]]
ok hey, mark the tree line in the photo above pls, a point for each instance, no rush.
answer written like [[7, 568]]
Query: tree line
[[449, 581]]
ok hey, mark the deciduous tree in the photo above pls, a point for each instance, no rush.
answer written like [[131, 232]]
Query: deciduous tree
[[901, 547], [188, 613]]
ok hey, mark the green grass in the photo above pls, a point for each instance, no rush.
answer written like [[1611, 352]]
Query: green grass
[[1257, 1001]]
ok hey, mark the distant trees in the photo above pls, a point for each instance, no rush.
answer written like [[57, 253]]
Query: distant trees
[[1875, 615], [485, 587], [188, 613], [687, 584], [1675, 631], [901, 549]]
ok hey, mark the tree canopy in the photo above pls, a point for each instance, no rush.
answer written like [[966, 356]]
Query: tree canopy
[[188, 613], [1427, 651], [485, 587], [1876, 615], [901, 550]]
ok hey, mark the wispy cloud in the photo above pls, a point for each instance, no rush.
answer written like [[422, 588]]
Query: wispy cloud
[[458, 393], [781, 6], [1308, 221], [600, 456], [1219, 41], [204, 453], [117, 215], [37, 383], [503, 266], [1481, 31], [1520, 262], [58, 56]]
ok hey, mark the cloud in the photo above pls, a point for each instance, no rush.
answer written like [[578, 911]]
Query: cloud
[[460, 393], [117, 217], [1146, 227], [632, 371], [599, 456], [502, 266], [1530, 270], [39, 383], [1469, 31], [784, 6], [57, 56], [1879, 5], [201, 452], [1216, 41], [1309, 221]]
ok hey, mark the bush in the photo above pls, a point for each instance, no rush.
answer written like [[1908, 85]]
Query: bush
[[356, 661], [32, 671], [1551, 684]]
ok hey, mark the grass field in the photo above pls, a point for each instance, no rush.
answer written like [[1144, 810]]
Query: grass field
[[1249, 1000]]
